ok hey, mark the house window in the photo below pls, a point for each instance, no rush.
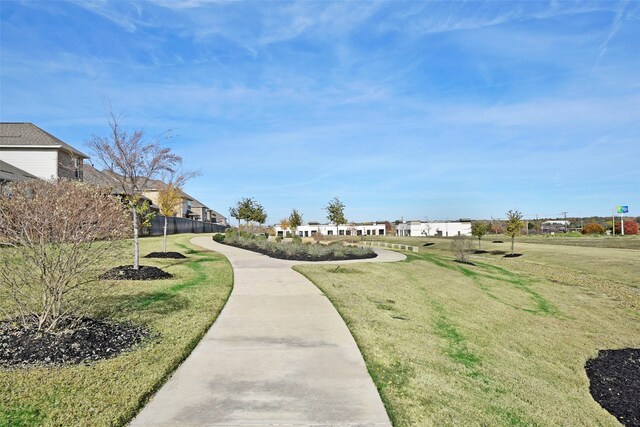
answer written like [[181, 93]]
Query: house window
[[381, 232], [330, 232], [348, 232], [368, 232], [313, 232], [341, 232]]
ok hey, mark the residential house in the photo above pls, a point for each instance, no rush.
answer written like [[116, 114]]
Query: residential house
[[9, 173], [27, 147]]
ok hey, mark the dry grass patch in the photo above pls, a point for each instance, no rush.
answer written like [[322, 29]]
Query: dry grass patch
[[452, 344]]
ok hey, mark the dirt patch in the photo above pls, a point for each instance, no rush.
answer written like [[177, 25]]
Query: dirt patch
[[127, 272], [477, 251], [428, 244], [89, 340], [513, 255], [172, 255], [497, 252], [497, 241], [614, 382]]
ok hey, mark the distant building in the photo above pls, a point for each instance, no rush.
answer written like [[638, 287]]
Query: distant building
[[312, 229], [27, 147], [435, 228], [555, 226]]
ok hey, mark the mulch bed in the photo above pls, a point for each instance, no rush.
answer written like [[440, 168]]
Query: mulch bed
[[478, 251], [428, 244], [90, 340], [512, 255], [497, 241], [279, 254], [614, 382], [172, 255], [127, 272]]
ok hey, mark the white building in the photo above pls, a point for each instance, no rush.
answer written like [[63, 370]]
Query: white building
[[310, 230], [437, 228]]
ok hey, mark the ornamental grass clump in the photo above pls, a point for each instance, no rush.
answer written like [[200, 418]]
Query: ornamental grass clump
[[297, 251]]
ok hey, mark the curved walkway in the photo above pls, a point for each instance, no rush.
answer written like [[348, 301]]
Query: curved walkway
[[278, 354]]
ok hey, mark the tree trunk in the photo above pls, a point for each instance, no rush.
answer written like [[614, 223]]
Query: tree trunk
[[479, 244], [136, 244], [513, 238], [164, 243]]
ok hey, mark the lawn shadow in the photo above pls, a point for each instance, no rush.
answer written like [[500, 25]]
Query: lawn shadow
[[159, 302]]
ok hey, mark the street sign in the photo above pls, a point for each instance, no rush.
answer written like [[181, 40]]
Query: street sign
[[622, 209]]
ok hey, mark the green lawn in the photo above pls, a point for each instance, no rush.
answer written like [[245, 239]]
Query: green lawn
[[178, 311], [503, 342]]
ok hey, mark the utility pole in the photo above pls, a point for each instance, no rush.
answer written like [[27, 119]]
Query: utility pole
[[566, 227]]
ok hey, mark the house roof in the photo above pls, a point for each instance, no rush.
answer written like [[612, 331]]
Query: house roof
[[11, 173], [98, 178], [29, 135]]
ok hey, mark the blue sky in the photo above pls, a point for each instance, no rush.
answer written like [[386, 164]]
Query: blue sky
[[410, 110]]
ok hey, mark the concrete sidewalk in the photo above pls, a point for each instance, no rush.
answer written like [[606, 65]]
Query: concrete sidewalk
[[278, 354]]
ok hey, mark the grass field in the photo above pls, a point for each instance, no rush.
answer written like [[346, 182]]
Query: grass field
[[503, 342], [178, 311]]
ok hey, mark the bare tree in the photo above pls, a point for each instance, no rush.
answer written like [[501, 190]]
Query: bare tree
[[57, 238], [461, 247], [133, 161]]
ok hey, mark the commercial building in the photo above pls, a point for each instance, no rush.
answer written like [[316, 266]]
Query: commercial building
[[312, 229], [433, 228]]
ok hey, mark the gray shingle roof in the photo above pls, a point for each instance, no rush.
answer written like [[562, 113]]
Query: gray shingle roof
[[30, 134], [11, 173]]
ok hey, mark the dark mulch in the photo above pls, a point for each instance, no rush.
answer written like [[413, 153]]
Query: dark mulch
[[428, 244], [477, 251], [497, 252], [90, 340], [172, 255], [497, 241], [614, 382], [513, 255], [126, 272]]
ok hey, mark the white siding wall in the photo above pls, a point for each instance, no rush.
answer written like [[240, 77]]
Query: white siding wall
[[42, 163]]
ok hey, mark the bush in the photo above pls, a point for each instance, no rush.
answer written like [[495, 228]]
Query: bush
[[461, 247], [593, 228], [58, 236], [630, 227], [296, 239], [301, 252], [218, 237]]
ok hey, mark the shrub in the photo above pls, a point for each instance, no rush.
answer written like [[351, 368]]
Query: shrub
[[630, 227], [461, 247], [218, 237], [58, 236], [302, 252], [297, 239], [593, 228]]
